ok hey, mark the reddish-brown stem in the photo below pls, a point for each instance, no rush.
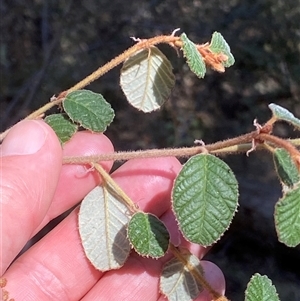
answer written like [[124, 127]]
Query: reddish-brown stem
[[233, 141]]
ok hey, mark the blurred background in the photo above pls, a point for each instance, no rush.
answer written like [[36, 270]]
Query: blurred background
[[47, 46]]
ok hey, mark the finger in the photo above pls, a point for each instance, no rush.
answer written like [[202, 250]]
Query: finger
[[57, 263], [55, 268], [76, 181], [149, 192], [30, 165], [215, 277]]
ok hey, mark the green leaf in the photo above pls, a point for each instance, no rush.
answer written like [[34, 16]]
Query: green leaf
[[103, 220], [260, 288], [287, 217], [62, 126], [219, 45], [147, 79], [283, 114], [148, 235], [89, 109], [205, 198], [285, 167], [177, 282], [193, 57]]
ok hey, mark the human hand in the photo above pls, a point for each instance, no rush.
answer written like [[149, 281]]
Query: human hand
[[35, 188]]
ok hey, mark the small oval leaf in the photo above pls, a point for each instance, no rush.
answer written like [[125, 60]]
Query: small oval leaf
[[283, 114], [286, 168], [287, 217], [193, 57], [219, 45], [147, 79], [62, 126], [89, 109], [205, 198], [260, 288], [103, 224], [148, 235], [177, 282]]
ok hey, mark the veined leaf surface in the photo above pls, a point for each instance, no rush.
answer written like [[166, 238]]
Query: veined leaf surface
[[62, 126], [283, 114], [103, 224], [205, 198], [177, 283], [89, 109], [147, 79], [260, 288], [219, 45], [287, 217], [286, 168], [148, 235], [193, 56]]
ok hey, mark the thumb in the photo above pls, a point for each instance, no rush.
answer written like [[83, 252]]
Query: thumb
[[30, 163]]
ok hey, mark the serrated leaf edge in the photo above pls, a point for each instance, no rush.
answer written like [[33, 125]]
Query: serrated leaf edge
[[257, 275], [178, 224]]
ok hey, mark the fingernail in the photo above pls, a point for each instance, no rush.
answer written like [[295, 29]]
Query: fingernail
[[25, 138]]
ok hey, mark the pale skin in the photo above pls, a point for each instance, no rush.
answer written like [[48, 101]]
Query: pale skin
[[35, 187]]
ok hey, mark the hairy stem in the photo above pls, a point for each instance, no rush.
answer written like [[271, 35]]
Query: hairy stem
[[142, 44], [36, 114], [115, 188], [287, 145], [227, 146]]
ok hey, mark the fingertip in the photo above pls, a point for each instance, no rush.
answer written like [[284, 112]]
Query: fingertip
[[28, 137], [215, 277]]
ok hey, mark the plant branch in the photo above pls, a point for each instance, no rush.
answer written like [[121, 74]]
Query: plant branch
[[238, 144], [142, 44], [287, 145], [227, 146], [36, 114]]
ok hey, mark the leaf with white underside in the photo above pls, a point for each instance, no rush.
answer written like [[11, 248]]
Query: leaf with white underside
[[287, 217], [103, 221], [148, 235], [147, 79], [177, 283], [193, 57], [90, 110], [260, 288], [283, 114], [62, 126], [204, 198]]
